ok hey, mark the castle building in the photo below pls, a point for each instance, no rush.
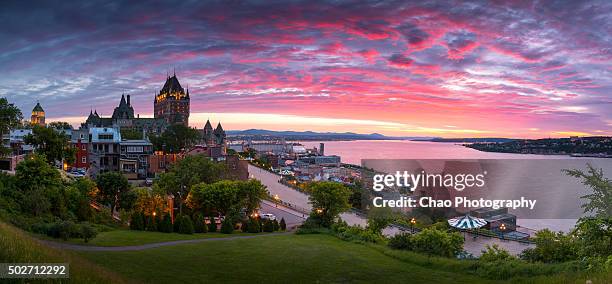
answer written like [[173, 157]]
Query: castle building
[[123, 118], [216, 137], [172, 103], [38, 115]]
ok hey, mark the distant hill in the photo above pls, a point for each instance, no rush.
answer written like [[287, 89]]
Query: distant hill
[[473, 140], [311, 135]]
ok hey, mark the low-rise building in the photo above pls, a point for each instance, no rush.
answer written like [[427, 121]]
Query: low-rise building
[[134, 158], [103, 150]]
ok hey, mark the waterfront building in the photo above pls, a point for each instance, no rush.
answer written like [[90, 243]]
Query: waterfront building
[[326, 161], [172, 103], [38, 115]]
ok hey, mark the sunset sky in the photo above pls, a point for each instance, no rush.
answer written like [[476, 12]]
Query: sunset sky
[[436, 68]]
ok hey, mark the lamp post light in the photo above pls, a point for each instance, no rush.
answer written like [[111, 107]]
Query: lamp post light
[[412, 223], [276, 199], [502, 228]]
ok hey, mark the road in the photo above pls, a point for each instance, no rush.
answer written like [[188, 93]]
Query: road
[[300, 200]]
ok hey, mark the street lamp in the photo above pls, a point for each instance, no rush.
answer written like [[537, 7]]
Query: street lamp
[[412, 223], [502, 227], [276, 199], [319, 211]]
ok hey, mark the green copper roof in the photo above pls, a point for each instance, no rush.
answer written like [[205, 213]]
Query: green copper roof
[[38, 107]]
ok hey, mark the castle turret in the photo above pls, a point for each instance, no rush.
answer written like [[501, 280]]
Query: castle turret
[[38, 115], [172, 102]]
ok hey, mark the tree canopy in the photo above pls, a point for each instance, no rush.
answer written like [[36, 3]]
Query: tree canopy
[[328, 200], [226, 197], [176, 138], [114, 189], [10, 117], [51, 143], [600, 200]]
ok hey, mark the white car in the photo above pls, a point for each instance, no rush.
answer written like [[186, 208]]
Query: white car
[[268, 216]]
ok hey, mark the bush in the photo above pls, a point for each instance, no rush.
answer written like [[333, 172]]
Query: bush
[[63, 230], [212, 225], [283, 225], [88, 232], [552, 247], [150, 224], [244, 226], [177, 223], [401, 241], [186, 226], [166, 224], [227, 226], [137, 222], [254, 226], [158, 221], [268, 226], [199, 224], [276, 225], [436, 242], [495, 253]]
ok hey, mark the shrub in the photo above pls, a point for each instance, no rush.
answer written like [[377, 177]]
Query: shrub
[[186, 226], [401, 241], [166, 224], [244, 226], [283, 225], [276, 225], [212, 225], [177, 223], [254, 226], [227, 226], [158, 221], [552, 247], [150, 224], [88, 232], [199, 224], [436, 242], [137, 222], [495, 253], [268, 226], [63, 230]]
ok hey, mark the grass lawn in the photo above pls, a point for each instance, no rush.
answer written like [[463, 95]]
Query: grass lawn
[[18, 247], [286, 258], [131, 238]]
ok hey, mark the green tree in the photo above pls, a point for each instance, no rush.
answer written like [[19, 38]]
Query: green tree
[[10, 117], [131, 134], [600, 200], [227, 226], [199, 224], [186, 226], [88, 232], [328, 200], [436, 242], [113, 187], [268, 226], [283, 224], [176, 138], [226, 196], [595, 236], [137, 221], [60, 125], [212, 225], [41, 187], [276, 225], [51, 144], [166, 224], [254, 225], [379, 218]]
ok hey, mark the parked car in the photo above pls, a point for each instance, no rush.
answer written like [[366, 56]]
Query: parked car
[[268, 216], [149, 182]]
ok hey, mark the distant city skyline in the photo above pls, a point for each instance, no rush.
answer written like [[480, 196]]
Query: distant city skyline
[[432, 68]]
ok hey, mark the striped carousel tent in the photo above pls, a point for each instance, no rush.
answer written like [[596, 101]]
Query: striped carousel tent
[[467, 222]]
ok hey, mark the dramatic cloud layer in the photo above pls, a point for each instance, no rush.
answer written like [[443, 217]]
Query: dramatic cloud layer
[[449, 68]]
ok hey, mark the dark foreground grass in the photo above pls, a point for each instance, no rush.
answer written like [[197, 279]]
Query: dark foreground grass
[[117, 238], [18, 247], [273, 259]]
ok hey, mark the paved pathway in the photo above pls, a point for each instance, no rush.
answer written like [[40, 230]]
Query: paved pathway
[[150, 246]]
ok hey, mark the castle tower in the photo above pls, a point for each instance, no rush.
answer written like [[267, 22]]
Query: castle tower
[[38, 115], [172, 102]]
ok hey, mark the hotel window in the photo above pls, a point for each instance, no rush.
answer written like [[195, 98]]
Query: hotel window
[[83, 160], [83, 146]]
